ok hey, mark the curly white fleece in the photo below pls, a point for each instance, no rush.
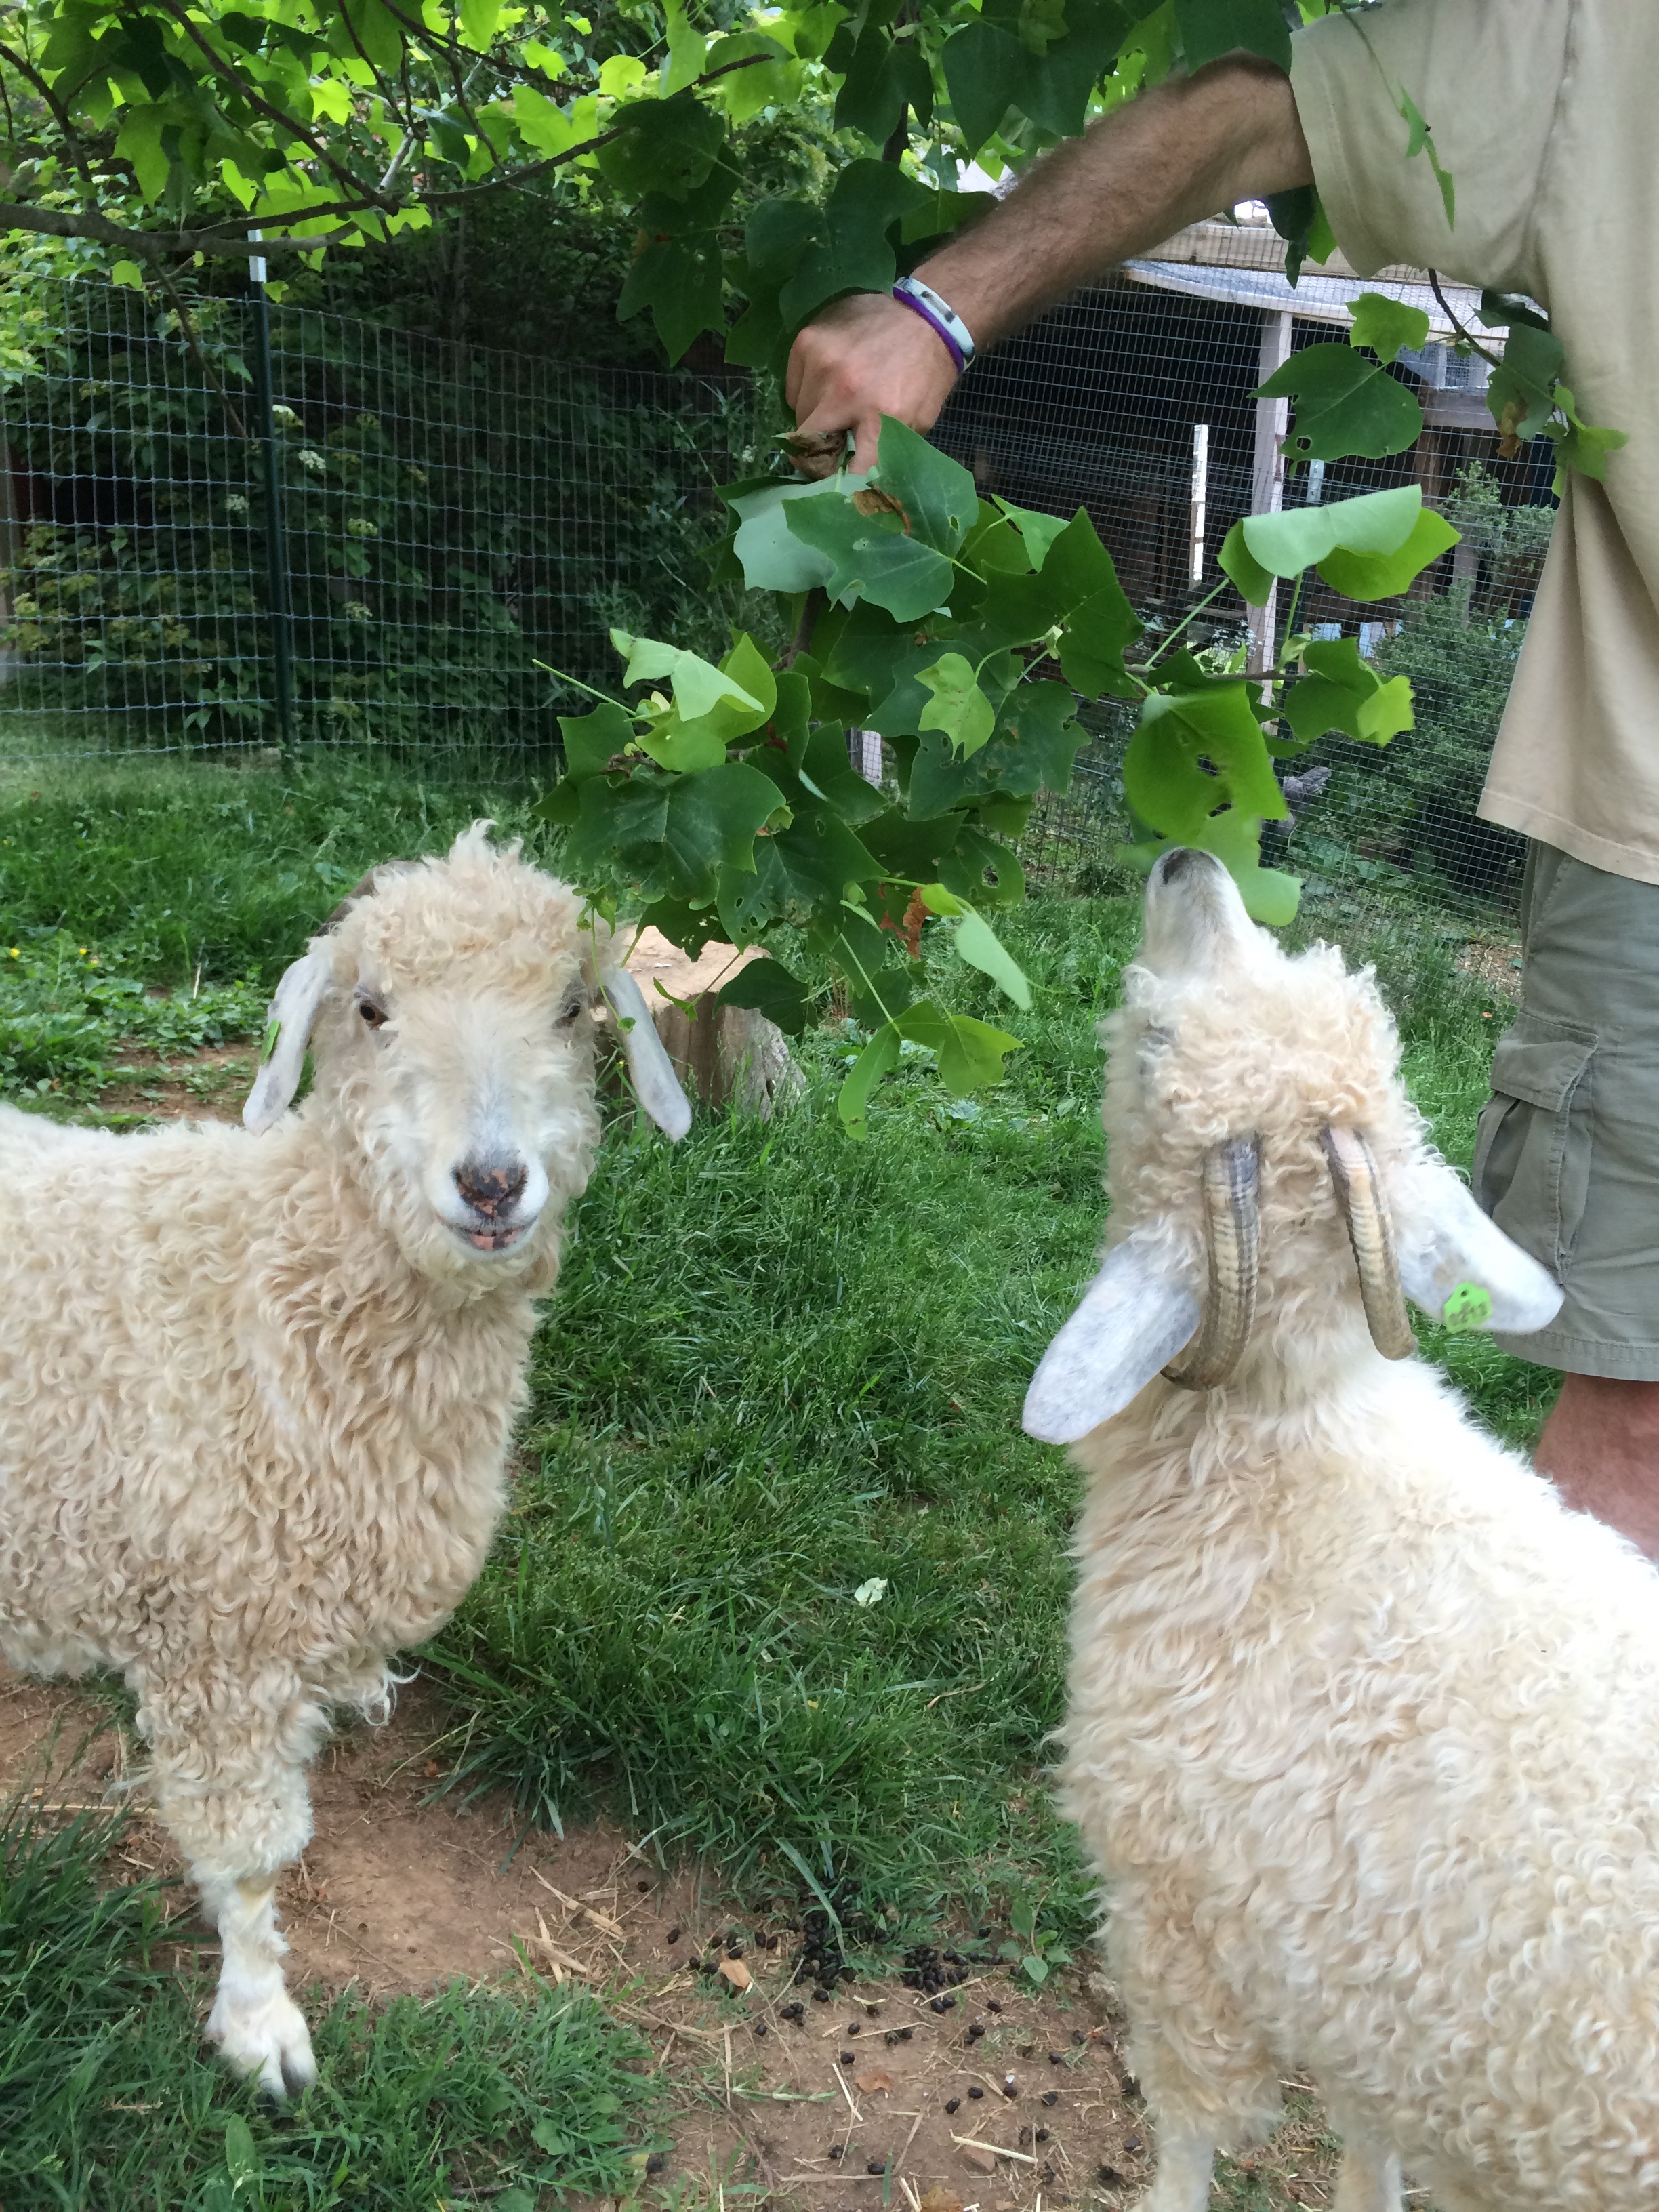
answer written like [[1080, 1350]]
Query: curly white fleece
[[256, 1398], [1363, 1726]]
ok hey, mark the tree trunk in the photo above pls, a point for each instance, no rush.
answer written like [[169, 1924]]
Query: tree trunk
[[723, 1055]]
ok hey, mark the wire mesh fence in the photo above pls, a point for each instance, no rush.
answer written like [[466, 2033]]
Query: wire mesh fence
[[424, 524], [443, 523]]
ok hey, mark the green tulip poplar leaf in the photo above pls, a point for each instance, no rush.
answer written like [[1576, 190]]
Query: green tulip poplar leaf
[[936, 493], [1211, 28], [1263, 546], [682, 281], [672, 834], [982, 869], [1162, 778], [592, 741], [975, 941], [1037, 531], [767, 987], [969, 1054], [829, 774], [871, 555], [879, 1057], [1387, 326], [665, 146], [774, 558], [958, 706], [1342, 692], [683, 746], [699, 686], [1344, 404], [1368, 576]]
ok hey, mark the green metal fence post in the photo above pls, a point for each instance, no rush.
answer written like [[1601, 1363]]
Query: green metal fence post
[[281, 641]]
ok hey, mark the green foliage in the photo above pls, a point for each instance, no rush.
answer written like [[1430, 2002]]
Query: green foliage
[[944, 617], [1344, 405], [1387, 326], [477, 2088], [1459, 663]]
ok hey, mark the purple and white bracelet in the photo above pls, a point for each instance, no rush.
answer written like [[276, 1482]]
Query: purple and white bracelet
[[925, 302]]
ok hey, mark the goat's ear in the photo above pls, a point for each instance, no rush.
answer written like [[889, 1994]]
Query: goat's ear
[[1132, 1320], [288, 1032], [1448, 1248], [651, 1071]]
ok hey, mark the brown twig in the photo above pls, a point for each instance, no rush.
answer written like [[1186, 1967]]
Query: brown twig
[[1468, 336], [187, 324]]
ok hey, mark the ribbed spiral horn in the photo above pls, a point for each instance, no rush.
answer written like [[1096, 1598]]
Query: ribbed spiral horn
[[1233, 1242], [1365, 1209]]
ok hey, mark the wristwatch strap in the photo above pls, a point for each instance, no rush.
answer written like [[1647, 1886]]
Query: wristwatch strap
[[925, 302]]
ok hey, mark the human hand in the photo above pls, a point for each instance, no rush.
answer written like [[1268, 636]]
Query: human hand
[[864, 357]]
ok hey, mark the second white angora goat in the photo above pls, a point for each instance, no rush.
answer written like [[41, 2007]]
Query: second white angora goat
[[256, 1385], [1363, 1723]]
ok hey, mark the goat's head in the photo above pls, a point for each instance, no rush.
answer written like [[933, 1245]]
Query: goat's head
[[450, 1006], [1274, 1195]]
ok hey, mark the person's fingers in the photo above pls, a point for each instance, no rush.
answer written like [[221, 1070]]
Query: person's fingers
[[866, 436], [866, 357]]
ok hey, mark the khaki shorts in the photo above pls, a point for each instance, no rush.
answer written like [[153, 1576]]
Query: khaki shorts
[[1566, 1161]]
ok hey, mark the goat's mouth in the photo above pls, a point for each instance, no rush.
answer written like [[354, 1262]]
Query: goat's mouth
[[492, 1239]]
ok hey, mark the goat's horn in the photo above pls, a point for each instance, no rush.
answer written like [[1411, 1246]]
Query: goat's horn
[[1232, 1237], [1365, 1210], [361, 891]]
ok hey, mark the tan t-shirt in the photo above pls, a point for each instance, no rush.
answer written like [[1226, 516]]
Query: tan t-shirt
[[1543, 110]]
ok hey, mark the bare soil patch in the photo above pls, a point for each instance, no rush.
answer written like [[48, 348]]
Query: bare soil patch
[[208, 1084], [1002, 2098]]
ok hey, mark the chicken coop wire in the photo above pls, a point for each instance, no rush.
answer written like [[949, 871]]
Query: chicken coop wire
[[447, 517], [1134, 401]]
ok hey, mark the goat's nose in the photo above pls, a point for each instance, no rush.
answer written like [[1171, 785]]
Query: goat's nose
[[490, 1187]]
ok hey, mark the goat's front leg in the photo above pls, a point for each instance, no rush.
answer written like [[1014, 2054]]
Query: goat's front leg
[[230, 1787], [1370, 2180], [254, 2022], [1185, 2165]]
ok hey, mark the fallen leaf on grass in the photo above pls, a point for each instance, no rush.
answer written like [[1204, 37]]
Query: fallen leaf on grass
[[873, 2083], [940, 2199], [734, 1971]]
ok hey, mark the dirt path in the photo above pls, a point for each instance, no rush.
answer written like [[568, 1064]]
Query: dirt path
[[997, 2097]]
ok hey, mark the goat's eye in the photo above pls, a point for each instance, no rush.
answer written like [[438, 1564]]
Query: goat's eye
[[373, 1015]]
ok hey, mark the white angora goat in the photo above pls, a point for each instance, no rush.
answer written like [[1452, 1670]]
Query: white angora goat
[[1363, 1723], [256, 1385]]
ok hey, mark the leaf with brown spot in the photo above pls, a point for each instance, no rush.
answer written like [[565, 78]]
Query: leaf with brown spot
[[874, 2082], [734, 1971], [872, 502]]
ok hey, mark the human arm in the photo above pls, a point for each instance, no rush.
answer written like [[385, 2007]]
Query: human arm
[[1169, 158]]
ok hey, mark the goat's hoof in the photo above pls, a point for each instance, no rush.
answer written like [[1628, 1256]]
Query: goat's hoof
[[265, 2037]]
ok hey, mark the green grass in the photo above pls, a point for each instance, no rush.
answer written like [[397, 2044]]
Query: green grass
[[110, 2103], [782, 1370]]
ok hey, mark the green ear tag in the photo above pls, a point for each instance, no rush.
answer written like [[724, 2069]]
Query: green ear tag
[[269, 1045], [1469, 1306]]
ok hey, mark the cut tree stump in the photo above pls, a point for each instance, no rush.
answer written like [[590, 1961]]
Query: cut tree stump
[[723, 1055]]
